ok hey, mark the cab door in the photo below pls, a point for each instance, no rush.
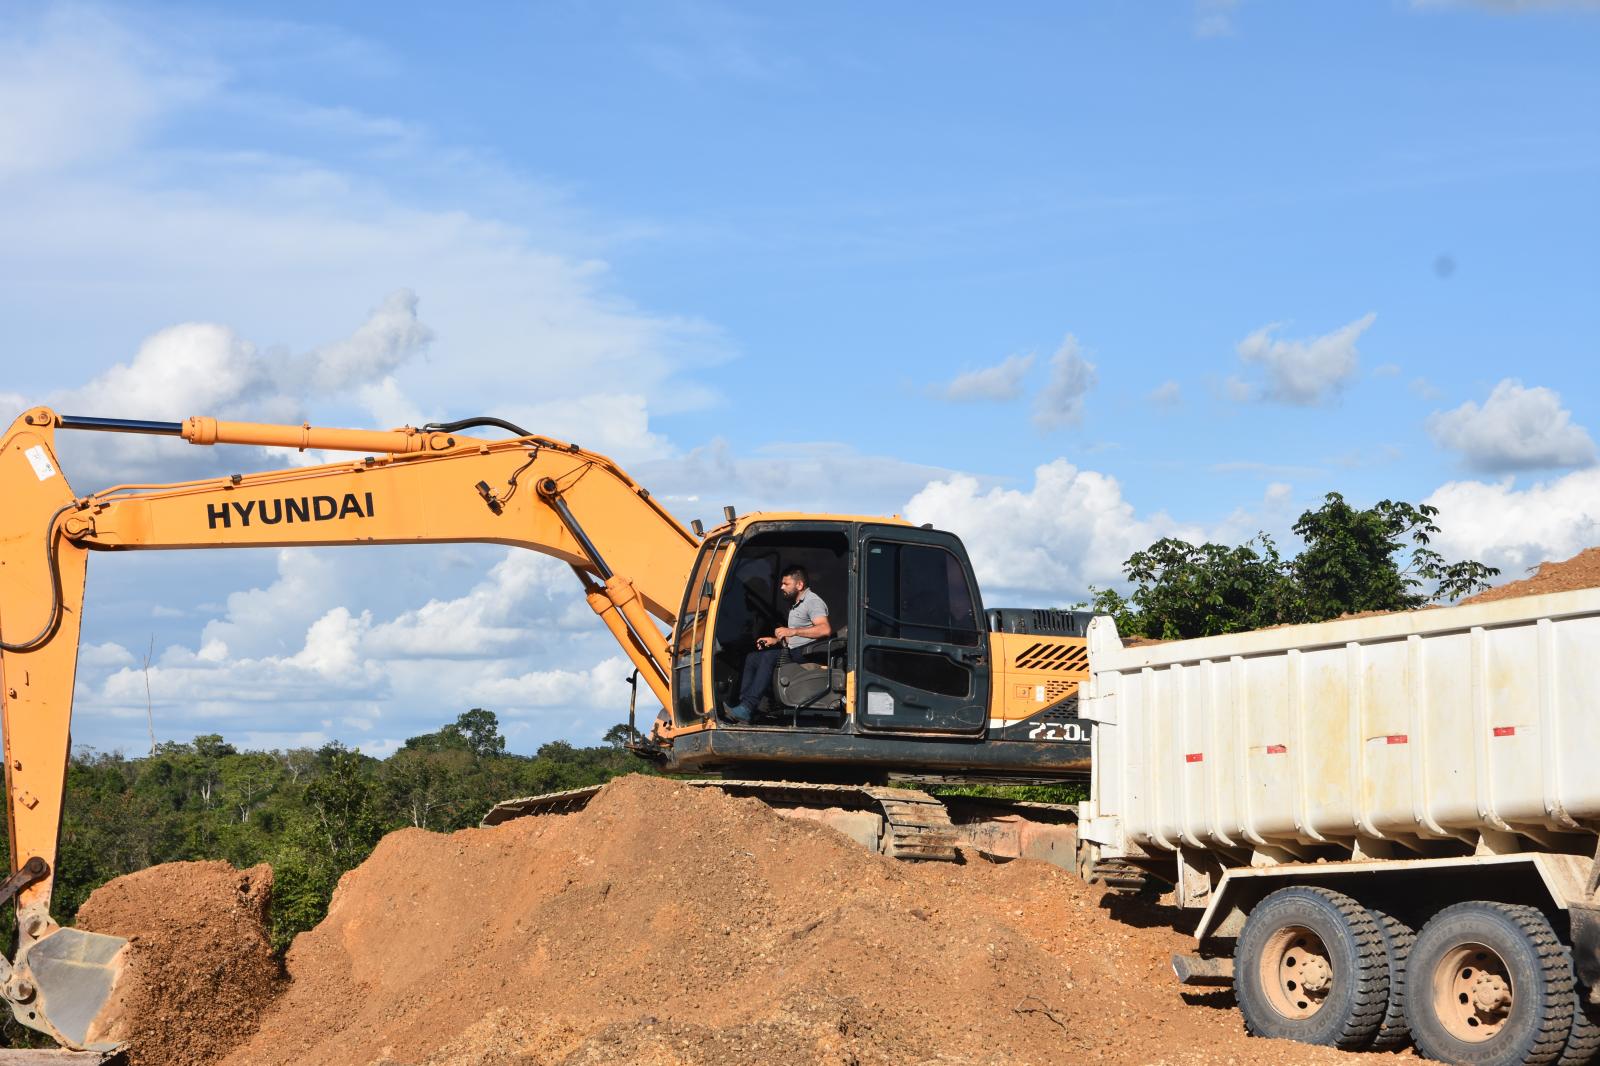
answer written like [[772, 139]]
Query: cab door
[[922, 651]]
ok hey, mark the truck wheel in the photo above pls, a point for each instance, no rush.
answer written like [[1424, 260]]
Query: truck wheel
[[1490, 985], [1584, 1040], [1393, 1033], [1310, 966]]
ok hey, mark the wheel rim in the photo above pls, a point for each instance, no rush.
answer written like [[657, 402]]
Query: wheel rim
[[1296, 972], [1472, 993]]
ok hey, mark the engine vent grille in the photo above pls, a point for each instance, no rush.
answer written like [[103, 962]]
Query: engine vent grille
[[1065, 711], [1053, 656], [1039, 621]]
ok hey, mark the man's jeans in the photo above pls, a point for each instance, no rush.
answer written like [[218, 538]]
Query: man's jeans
[[760, 664]]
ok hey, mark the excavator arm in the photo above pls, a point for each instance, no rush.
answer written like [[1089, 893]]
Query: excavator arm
[[407, 486]]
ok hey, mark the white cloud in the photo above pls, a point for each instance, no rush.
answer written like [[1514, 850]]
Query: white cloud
[[616, 425], [102, 656], [75, 87], [1517, 428], [289, 652], [1070, 530], [1071, 377], [1237, 390], [208, 369], [1515, 529], [1424, 389], [1308, 371], [278, 249], [492, 619], [1214, 18], [791, 476], [1167, 395], [594, 688], [386, 341], [1003, 381]]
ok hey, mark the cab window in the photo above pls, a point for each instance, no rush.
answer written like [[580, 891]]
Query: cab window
[[919, 592]]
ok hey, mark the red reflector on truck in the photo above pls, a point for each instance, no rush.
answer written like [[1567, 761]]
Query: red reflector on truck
[[1277, 749], [1397, 738], [1505, 730], [1194, 756]]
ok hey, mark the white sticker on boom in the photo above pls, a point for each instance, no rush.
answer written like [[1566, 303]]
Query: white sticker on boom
[[41, 462], [879, 702], [1038, 694]]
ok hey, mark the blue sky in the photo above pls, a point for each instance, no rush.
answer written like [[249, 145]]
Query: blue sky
[[1064, 282]]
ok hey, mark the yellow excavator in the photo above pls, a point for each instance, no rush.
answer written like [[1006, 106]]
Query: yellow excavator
[[917, 680]]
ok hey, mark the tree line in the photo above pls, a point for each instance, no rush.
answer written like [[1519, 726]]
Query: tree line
[[312, 813], [1352, 560]]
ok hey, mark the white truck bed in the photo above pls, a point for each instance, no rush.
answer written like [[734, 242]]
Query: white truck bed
[[1428, 725]]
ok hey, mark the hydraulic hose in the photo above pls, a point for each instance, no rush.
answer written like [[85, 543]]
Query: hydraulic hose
[[471, 423], [53, 564]]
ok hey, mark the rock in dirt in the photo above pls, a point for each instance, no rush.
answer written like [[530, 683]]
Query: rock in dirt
[[676, 925], [200, 967], [1582, 571]]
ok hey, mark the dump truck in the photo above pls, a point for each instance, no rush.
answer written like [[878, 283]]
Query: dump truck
[[1384, 827], [916, 677]]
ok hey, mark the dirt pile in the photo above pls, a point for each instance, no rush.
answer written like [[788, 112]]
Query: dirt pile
[[200, 969], [1582, 571], [674, 925]]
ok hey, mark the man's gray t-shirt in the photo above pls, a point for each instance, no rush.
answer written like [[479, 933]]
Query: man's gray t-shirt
[[806, 610]]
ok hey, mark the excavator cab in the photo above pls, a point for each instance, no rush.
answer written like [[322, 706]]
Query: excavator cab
[[810, 689], [908, 656]]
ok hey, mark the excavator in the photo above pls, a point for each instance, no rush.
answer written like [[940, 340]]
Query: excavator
[[917, 682]]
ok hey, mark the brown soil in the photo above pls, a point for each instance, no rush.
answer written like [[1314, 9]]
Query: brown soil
[[1582, 571], [667, 924], [200, 969]]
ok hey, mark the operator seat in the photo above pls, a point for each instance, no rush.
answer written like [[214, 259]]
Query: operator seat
[[816, 685]]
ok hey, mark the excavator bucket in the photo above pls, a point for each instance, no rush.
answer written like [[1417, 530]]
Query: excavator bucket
[[62, 986]]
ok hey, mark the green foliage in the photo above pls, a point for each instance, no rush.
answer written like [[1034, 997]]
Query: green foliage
[[1353, 560], [313, 815], [1065, 793]]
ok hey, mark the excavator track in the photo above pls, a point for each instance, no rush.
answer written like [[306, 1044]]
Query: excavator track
[[903, 823], [914, 824], [1123, 878]]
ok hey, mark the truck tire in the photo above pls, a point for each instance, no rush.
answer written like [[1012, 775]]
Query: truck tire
[[1490, 985], [1310, 966], [1584, 1040], [1393, 1032]]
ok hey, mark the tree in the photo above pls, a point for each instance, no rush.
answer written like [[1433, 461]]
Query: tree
[[1350, 563], [481, 730], [1353, 560], [423, 787], [340, 803], [1184, 590], [620, 736], [247, 780]]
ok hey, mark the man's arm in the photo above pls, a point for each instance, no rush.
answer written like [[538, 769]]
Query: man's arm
[[816, 631]]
